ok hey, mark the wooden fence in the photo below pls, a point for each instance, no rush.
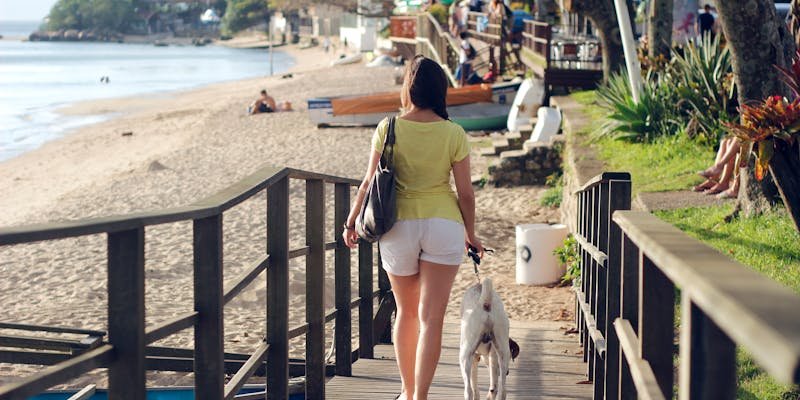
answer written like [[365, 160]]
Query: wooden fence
[[127, 352], [437, 44], [631, 265]]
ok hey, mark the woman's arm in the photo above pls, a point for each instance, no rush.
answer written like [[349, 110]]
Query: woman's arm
[[466, 200], [350, 236]]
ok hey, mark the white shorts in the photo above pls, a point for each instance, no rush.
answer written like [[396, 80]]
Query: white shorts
[[436, 240]]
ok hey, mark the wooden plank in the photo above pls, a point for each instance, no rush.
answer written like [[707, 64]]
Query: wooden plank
[[85, 393], [246, 278], [343, 334], [209, 364], [708, 357], [126, 375], [597, 255], [547, 368], [246, 371], [643, 377], [366, 333], [620, 199], [170, 326], [315, 290], [629, 306], [656, 323], [299, 252], [54, 329], [62, 372], [278, 290], [41, 343], [754, 311]]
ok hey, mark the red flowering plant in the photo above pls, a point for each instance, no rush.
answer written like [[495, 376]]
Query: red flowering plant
[[775, 117], [763, 122]]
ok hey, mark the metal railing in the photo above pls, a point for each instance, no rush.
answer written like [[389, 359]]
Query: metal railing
[[631, 265], [127, 352]]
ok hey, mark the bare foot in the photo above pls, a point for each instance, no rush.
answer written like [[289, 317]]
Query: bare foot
[[712, 172], [708, 184], [718, 188], [731, 193]]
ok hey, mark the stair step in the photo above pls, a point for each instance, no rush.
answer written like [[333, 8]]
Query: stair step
[[500, 145]]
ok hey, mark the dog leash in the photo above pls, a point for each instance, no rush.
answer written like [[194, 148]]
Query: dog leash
[[472, 252]]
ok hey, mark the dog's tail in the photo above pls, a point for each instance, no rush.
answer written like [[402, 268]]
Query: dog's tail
[[486, 294]]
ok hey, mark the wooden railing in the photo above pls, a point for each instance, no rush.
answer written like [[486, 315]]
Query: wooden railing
[[127, 352], [632, 263], [436, 43], [491, 30]]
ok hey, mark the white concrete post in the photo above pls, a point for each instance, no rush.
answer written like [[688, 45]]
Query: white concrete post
[[629, 47]]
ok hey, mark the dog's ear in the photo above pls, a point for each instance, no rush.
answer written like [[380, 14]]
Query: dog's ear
[[514, 348]]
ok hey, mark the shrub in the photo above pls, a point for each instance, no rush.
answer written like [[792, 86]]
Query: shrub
[[567, 254], [703, 76], [651, 117], [439, 12]]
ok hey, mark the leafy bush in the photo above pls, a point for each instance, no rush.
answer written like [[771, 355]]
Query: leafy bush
[[698, 79], [568, 256], [104, 15], [439, 12], [552, 196], [242, 14], [651, 117], [703, 76]]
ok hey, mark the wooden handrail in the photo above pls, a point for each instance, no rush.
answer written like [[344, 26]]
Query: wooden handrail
[[756, 312], [125, 354], [627, 308], [212, 205]]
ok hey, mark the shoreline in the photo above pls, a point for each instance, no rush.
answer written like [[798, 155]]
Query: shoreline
[[23, 172]]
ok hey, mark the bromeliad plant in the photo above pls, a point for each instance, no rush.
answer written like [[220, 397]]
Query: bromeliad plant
[[774, 118], [763, 123]]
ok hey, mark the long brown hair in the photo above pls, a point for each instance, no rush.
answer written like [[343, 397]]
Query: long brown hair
[[425, 86]]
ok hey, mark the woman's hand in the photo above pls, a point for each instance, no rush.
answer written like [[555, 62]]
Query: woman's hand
[[476, 243], [350, 237]]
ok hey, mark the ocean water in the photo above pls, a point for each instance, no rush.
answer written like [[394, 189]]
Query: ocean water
[[36, 78]]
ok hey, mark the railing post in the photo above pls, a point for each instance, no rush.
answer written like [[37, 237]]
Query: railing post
[[620, 197], [591, 293], [579, 230], [209, 365], [126, 375], [315, 290], [278, 290], [629, 308], [344, 346], [708, 357], [603, 210], [656, 319], [366, 335]]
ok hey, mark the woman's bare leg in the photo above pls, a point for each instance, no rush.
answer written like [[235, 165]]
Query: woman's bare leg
[[725, 179], [436, 280], [728, 150], [406, 328]]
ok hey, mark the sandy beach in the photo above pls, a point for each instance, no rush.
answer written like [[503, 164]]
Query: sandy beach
[[173, 149]]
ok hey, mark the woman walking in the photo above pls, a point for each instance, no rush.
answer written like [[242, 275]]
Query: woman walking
[[422, 251]]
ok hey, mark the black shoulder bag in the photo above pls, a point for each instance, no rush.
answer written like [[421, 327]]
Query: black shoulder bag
[[379, 207]]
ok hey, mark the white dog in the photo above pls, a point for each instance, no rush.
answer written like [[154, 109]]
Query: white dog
[[484, 333]]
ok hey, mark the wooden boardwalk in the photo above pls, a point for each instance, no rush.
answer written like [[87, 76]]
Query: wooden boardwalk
[[549, 367]]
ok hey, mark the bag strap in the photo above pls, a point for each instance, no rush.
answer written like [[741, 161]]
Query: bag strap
[[388, 159]]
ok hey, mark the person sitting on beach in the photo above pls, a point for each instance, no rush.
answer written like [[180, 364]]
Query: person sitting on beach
[[720, 179], [266, 104]]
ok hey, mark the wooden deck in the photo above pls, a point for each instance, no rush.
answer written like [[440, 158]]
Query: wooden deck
[[549, 367]]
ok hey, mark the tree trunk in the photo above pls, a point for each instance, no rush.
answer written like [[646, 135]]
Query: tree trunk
[[758, 41], [604, 19], [659, 29], [785, 169]]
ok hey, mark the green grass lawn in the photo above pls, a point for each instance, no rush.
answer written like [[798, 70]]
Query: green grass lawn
[[769, 244], [670, 163]]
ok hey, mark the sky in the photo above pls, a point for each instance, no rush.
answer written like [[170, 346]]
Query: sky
[[24, 10]]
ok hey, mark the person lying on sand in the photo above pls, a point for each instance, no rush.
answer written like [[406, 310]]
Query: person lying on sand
[[266, 104]]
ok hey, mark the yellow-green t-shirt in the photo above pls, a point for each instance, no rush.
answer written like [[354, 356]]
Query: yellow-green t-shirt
[[424, 153]]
